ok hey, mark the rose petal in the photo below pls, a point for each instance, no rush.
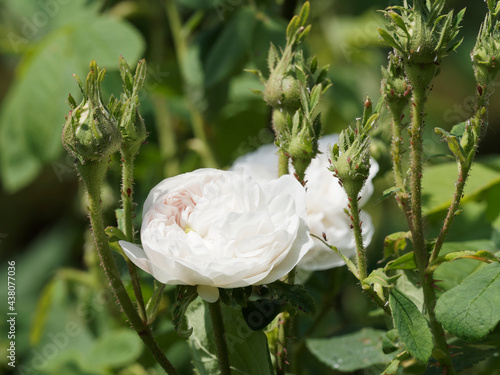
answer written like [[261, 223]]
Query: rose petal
[[208, 293]]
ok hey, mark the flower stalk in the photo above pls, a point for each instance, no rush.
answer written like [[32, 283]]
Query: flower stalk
[[91, 134], [94, 173], [220, 337]]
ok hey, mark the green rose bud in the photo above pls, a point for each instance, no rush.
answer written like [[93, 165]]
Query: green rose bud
[[302, 150], [282, 91], [394, 86], [131, 123], [90, 133], [486, 53]]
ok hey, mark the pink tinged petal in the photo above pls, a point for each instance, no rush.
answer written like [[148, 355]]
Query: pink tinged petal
[[208, 293]]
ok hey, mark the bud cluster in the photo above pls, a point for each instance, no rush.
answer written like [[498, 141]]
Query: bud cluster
[[350, 156], [94, 131], [90, 132], [293, 90], [486, 52], [422, 36]]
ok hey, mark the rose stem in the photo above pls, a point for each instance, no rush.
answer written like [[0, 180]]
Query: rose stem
[[282, 163], [92, 174], [397, 160], [220, 337], [417, 230], [284, 322], [127, 204], [358, 238], [479, 121]]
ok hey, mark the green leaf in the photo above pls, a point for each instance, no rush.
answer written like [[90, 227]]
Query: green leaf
[[472, 309], [258, 314], [248, 349], [388, 192], [184, 296], [42, 310], [395, 242], [230, 48], [404, 262], [481, 255], [458, 129], [390, 40], [411, 325], [116, 348], [438, 185], [296, 295], [452, 274], [114, 234], [350, 352], [379, 277], [33, 111]]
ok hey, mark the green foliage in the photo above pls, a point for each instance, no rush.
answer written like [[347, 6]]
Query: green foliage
[[30, 118], [411, 325], [116, 349], [235, 37], [351, 352], [472, 309], [438, 184], [248, 350]]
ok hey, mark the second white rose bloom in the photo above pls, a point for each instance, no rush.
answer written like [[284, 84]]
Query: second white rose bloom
[[221, 229], [325, 201]]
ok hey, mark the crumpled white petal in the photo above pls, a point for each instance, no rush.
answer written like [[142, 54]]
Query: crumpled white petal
[[221, 229], [325, 200]]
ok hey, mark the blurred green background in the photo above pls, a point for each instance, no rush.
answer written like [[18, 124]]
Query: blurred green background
[[195, 72]]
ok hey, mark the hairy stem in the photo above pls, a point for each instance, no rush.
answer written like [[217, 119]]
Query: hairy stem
[[282, 163], [220, 337], [417, 229], [479, 121], [358, 238], [92, 174], [397, 165], [128, 213]]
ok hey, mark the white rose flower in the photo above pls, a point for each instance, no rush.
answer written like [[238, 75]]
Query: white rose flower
[[325, 202], [221, 229]]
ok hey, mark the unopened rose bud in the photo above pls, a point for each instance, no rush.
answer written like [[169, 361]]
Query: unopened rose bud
[[90, 133], [282, 91], [131, 123]]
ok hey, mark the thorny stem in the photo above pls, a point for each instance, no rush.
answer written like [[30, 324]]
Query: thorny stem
[[197, 120], [397, 160], [417, 230], [450, 216], [479, 120], [281, 344], [358, 238], [127, 204], [416, 149], [220, 337], [92, 174]]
